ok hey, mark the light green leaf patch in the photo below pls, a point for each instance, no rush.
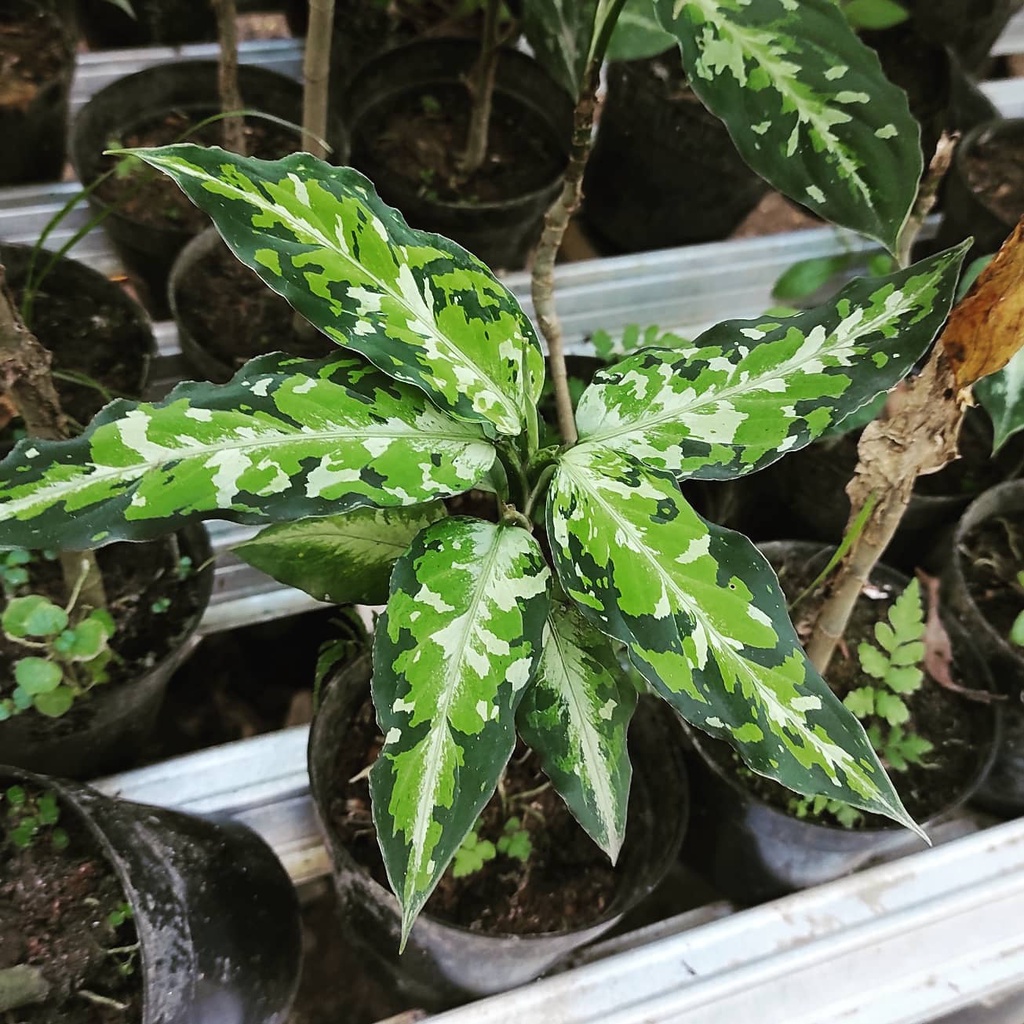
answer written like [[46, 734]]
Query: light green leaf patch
[[285, 438], [748, 391], [806, 104], [415, 304], [705, 622], [575, 716], [453, 653], [344, 559]]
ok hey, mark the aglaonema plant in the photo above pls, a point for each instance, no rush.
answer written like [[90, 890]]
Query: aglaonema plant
[[519, 621]]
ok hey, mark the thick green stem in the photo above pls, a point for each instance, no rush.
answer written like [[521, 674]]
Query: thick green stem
[[22, 985], [556, 220], [481, 93], [25, 376], [227, 75]]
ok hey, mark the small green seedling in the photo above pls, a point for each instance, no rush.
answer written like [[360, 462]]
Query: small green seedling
[[896, 663], [515, 841], [70, 657], [474, 852], [815, 807], [13, 571], [121, 913], [1017, 629], [29, 818]]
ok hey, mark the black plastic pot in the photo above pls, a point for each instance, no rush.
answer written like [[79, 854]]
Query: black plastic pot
[[216, 914], [966, 211], [1003, 791], [148, 250], [106, 729], [501, 233], [103, 309], [156, 23], [752, 851], [969, 27], [34, 128], [443, 963], [663, 171], [206, 352]]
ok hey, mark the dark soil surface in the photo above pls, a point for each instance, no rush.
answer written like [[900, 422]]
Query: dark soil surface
[[55, 908], [991, 555], [995, 171], [86, 337], [566, 883], [230, 312], [32, 52], [419, 137], [146, 597], [958, 729], [242, 683], [147, 196]]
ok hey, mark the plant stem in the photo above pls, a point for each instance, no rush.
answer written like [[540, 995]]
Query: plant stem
[[22, 985], [926, 197], [556, 220], [316, 72], [25, 375], [480, 85], [919, 436], [227, 75]]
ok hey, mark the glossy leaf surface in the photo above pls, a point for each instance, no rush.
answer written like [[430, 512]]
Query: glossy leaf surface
[[747, 391], [575, 716], [453, 653], [705, 621], [285, 438], [415, 304], [806, 104], [344, 559]]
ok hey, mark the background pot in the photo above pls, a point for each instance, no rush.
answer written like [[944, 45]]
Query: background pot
[[190, 87], [257, 320], [663, 171], [125, 347], [1003, 791], [752, 851], [969, 211], [107, 729], [216, 914], [443, 963], [156, 23], [969, 27], [33, 124], [500, 232]]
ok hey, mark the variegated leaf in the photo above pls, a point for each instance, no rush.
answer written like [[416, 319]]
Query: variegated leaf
[[576, 716], [560, 33], [285, 438], [705, 622], [806, 104], [344, 559], [748, 391], [1001, 395], [459, 641], [415, 304]]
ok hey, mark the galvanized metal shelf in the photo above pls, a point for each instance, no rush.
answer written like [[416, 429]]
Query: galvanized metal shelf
[[900, 943]]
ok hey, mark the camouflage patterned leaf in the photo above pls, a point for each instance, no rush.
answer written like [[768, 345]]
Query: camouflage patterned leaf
[[705, 622], [459, 641], [747, 391], [576, 716], [560, 33], [806, 104], [1001, 395], [285, 438], [415, 304], [344, 559]]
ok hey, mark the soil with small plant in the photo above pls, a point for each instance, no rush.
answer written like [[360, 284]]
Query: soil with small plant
[[992, 554], [995, 171], [85, 335], [63, 912], [564, 882], [418, 137], [959, 730], [145, 195], [153, 592], [32, 52], [229, 311]]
